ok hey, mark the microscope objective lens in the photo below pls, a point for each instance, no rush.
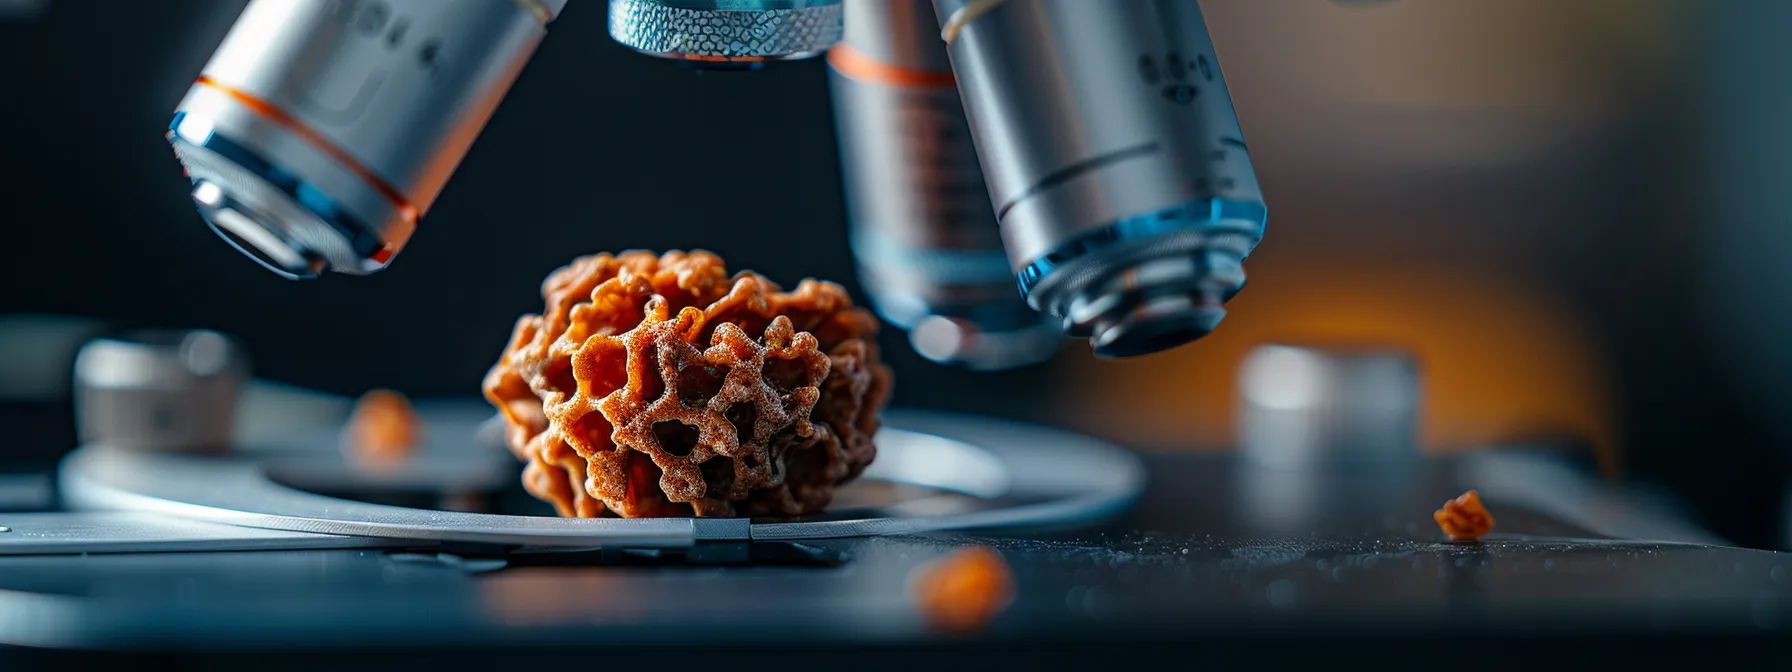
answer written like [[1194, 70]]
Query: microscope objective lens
[[1116, 167]]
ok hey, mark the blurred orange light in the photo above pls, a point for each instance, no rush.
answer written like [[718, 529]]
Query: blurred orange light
[[1499, 362]]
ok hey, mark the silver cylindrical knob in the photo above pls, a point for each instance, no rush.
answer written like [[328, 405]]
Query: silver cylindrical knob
[[1305, 407], [159, 390], [320, 132], [726, 33], [924, 237], [1114, 160]]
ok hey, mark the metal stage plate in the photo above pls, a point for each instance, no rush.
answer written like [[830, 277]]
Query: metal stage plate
[[934, 472]]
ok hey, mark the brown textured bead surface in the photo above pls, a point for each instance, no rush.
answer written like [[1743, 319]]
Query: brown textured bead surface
[[663, 386]]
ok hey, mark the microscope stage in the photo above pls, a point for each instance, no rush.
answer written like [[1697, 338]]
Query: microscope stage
[[1105, 550]]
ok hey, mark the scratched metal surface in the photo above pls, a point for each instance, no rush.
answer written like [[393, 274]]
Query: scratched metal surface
[[1207, 554]]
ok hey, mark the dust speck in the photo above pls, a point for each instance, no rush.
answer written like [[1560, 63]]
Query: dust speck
[[1282, 594]]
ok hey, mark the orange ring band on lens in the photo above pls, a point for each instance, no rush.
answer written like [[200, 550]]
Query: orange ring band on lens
[[717, 59], [279, 117], [857, 65]]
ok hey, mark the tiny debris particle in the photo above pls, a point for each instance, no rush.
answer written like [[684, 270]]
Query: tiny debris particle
[[383, 430], [1282, 593], [962, 592], [1463, 518]]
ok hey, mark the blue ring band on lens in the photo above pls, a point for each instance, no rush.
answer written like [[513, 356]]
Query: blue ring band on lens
[[943, 265], [1217, 214], [304, 193]]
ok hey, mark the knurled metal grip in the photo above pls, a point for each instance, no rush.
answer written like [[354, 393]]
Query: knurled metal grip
[[727, 30]]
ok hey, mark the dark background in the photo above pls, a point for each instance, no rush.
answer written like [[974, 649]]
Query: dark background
[[1619, 161]]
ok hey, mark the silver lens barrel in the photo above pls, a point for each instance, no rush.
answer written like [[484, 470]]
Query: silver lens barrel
[[924, 237], [726, 33], [321, 130], [1114, 160]]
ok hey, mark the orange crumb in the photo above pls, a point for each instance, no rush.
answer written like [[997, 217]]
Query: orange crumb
[[1463, 518], [383, 430], [962, 592]]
